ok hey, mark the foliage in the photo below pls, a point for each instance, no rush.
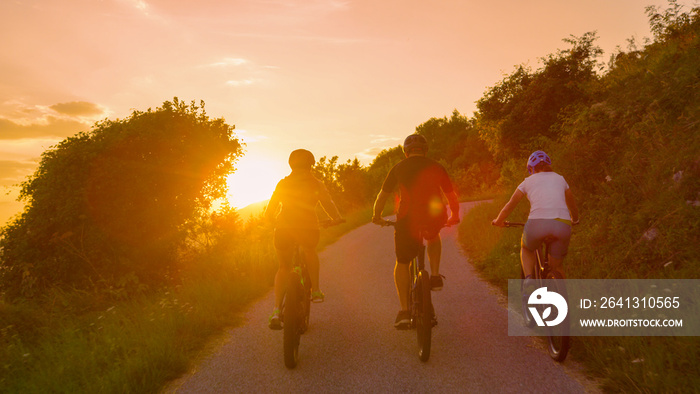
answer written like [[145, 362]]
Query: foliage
[[347, 183], [627, 143], [519, 112], [455, 143], [107, 208]]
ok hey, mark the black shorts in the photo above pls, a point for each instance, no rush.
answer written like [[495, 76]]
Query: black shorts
[[286, 238], [409, 235]]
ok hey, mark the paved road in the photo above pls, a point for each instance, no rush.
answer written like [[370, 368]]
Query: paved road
[[352, 345]]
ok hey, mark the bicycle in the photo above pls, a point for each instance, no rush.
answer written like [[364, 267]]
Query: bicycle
[[296, 306], [420, 305], [558, 339]]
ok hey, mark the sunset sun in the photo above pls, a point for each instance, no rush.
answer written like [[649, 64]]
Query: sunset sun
[[254, 180]]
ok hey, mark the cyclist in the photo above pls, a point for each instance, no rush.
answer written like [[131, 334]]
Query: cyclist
[[297, 224], [552, 213], [421, 183]]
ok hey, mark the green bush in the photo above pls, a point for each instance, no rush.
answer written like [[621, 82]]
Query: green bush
[[107, 208]]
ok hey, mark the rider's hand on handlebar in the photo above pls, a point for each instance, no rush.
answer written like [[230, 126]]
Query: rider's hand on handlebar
[[497, 223]]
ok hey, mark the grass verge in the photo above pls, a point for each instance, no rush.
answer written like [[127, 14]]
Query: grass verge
[[621, 364], [74, 343]]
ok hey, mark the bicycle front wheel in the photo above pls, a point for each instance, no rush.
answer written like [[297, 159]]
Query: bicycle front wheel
[[293, 321], [424, 315], [558, 339]]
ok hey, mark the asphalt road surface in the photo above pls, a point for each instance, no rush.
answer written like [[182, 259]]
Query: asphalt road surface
[[352, 345]]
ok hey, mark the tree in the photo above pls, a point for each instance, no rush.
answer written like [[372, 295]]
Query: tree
[[110, 206], [347, 183], [518, 113]]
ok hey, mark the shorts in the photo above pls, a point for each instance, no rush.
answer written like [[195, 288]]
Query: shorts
[[409, 235], [537, 230], [287, 238]]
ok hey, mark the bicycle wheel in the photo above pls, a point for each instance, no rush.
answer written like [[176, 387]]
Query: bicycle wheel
[[424, 315], [558, 336], [292, 321], [527, 316]]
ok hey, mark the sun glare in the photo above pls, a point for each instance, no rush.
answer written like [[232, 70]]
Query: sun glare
[[254, 180]]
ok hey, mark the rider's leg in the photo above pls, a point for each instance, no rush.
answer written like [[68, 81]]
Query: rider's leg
[[402, 277], [312, 264], [560, 246], [556, 265], [284, 256], [528, 258], [434, 249]]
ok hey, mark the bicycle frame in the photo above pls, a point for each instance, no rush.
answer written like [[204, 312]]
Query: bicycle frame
[[558, 343], [420, 304], [296, 306], [296, 309]]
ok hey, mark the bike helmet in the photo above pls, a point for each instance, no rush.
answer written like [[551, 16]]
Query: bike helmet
[[536, 158], [301, 159], [415, 142]]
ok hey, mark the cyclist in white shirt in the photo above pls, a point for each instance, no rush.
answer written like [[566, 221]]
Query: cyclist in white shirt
[[552, 213]]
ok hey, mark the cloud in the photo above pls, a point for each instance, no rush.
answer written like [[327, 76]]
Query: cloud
[[242, 82], [229, 61], [246, 137], [48, 128], [77, 108], [368, 155], [13, 172], [22, 121], [140, 5], [381, 138]]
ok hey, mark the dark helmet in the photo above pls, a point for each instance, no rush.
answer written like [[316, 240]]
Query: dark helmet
[[301, 159], [413, 143], [536, 158]]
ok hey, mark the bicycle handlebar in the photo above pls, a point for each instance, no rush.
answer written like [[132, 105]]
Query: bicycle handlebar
[[386, 223], [520, 224]]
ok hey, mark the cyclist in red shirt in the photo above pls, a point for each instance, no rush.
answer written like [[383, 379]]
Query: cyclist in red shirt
[[292, 209], [421, 183]]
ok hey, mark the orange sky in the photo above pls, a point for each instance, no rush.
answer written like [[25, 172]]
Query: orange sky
[[338, 77]]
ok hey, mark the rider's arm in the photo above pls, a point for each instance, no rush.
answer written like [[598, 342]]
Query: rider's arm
[[509, 207], [379, 203], [571, 204], [272, 208], [328, 204]]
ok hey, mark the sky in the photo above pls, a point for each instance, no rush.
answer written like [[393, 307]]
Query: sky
[[343, 78]]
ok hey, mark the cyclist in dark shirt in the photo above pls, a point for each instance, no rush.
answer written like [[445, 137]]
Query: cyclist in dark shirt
[[296, 223], [421, 183]]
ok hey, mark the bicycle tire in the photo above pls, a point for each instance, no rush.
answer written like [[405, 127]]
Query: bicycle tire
[[424, 315], [292, 321], [558, 340]]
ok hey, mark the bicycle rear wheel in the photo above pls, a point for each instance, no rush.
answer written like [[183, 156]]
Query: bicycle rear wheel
[[293, 321], [424, 315], [558, 339]]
